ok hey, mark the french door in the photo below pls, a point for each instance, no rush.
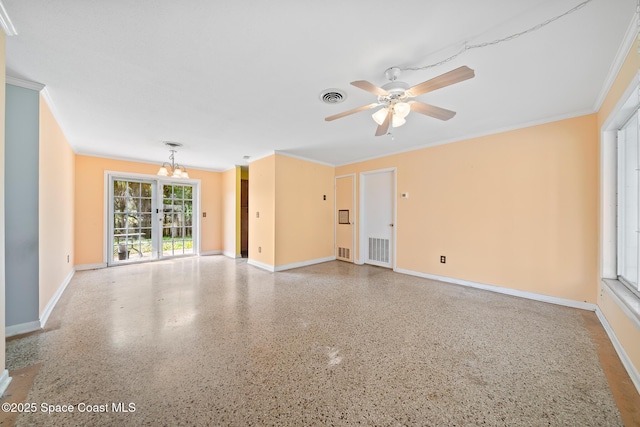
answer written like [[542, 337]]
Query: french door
[[177, 219], [150, 219]]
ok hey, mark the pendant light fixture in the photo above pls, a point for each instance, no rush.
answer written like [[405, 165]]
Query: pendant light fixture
[[173, 169]]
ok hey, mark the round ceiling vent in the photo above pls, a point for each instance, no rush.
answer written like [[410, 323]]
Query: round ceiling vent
[[333, 96]]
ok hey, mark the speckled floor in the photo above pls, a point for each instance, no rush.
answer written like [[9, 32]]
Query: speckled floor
[[213, 341]]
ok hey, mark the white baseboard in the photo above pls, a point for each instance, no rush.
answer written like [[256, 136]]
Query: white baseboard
[[90, 266], [5, 380], [261, 265], [54, 300], [304, 263], [624, 358], [231, 255], [22, 328], [507, 291], [207, 253]]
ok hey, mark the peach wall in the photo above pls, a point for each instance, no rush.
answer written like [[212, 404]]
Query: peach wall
[[262, 193], [90, 210], [56, 207], [516, 209], [625, 329], [304, 219], [229, 211]]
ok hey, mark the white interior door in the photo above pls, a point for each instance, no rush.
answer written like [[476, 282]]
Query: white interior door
[[378, 209]]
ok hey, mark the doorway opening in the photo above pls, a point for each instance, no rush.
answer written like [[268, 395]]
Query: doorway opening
[[244, 215]]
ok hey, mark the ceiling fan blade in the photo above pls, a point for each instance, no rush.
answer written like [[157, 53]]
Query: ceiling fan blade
[[384, 127], [446, 79], [348, 113], [370, 87], [431, 110]]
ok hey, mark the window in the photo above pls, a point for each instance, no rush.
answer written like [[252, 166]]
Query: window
[[628, 215]]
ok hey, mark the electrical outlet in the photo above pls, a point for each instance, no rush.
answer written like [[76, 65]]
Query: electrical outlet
[[259, 249], [405, 195], [67, 259], [443, 259], [257, 214], [324, 197], [204, 214]]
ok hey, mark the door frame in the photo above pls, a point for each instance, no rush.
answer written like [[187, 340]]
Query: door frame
[[363, 222], [108, 197], [354, 222]]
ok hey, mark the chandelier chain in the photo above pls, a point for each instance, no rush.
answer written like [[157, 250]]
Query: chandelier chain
[[467, 46]]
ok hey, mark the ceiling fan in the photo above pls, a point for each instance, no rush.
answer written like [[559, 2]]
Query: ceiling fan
[[395, 97]]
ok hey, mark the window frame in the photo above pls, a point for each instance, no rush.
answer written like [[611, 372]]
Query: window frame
[[627, 299], [622, 203]]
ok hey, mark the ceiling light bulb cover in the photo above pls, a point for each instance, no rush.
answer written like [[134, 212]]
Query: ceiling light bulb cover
[[397, 121], [401, 109], [380, 115], [163, 171]]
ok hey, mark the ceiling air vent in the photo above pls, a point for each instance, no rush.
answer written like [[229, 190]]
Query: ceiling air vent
[[333, 96]]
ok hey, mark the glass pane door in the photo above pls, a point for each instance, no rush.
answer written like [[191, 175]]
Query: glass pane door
[[132, 220], [177, 219]]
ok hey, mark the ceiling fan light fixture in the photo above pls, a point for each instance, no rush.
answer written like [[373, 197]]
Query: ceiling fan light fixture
[[397, 121], [401, 109], [380, 115], [395, 98]]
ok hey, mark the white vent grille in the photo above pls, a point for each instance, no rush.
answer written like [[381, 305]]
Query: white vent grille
[[344, 253], [333, 96], [378, 249]]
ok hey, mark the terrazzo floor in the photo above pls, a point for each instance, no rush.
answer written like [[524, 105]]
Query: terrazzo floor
[[214, 341]]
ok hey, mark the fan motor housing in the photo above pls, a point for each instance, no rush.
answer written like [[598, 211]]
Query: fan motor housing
[[396, 91]]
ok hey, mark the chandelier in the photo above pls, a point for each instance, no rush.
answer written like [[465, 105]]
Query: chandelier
[[173, 169]]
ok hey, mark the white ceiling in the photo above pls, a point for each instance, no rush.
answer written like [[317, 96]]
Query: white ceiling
[[234, 78]]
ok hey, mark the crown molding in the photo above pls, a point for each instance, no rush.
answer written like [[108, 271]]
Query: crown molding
[[306, 159], [5, 22], [625, 47], [27, 84], [260, 157]]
